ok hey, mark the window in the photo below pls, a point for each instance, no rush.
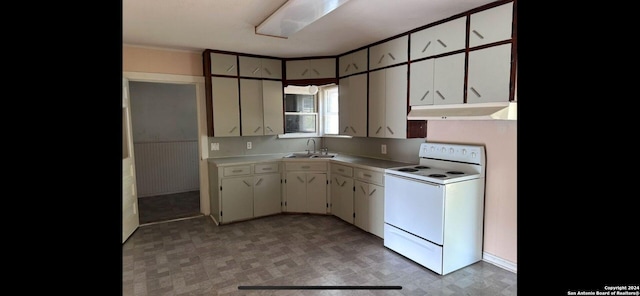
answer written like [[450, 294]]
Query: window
[[330, 110], [300, 111]]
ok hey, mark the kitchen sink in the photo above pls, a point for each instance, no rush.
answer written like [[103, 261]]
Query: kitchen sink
[[309, 155]]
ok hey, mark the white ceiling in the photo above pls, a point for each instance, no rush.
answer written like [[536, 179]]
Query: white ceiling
[[229, 25]]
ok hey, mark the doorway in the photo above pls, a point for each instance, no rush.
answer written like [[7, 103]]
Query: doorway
[[165, 139]]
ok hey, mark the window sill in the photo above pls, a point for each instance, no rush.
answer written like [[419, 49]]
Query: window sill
[[295, 135]]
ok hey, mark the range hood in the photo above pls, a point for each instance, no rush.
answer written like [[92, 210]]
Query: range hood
[[478, 111]]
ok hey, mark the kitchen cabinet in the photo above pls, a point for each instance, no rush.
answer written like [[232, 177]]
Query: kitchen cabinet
[[369, 201], [266, 189], [491, 25], [352, 101], [437, 81], [311, 68], [352, 63], [224, 64], [439, 39], [226, 106], [236, 196], [261, 103], [260, 67], [392, 52], [342, 192], [306, 187], [388, 103], [489, 74]]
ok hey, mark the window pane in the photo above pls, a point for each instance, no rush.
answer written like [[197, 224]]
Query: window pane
[[299, 103], [295, 123]]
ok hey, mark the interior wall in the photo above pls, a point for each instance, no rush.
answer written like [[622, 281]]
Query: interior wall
[[150, 60], [402, 150], [237, 146]]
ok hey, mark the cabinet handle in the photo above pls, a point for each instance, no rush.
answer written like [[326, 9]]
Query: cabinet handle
[[439, 94], [345, 129], [442, 43], [311, 180], [233, 129], [388, 128], [367, 175], [380, 60], [299, 179], [347, 69], [337, 182], [378, 130], [363, 191], [267, 70], [355, 66], [425, 47], [230, 68], [259, 181], [374, 190], [245, 183], [236, 171], [351, 127], [257, 129], [392, 57], [425, 95], [317, 73], [255, 70], [477, 34], [269, 128], [266, 169], [304, 72], [476, 92]]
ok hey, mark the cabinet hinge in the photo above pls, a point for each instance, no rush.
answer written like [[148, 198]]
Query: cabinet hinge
[[327, 182], [327, 205], [354, 188], [285, 181], [220, 213], [354, 214], [220, 188], [280, 181]]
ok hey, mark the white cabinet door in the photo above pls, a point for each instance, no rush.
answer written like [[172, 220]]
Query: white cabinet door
[[311, 69], [377, 96], [389, 53], [250, 66], [443, 38], [489, 74], [226, 107], [130, 215], [297, 69], [266, 197], [491, 25], [396, 102], [449, 80], [369, 207], [421, 86], [342, 197], [317, 193], [224, 64], [361, 205], [352, 96], [296, 196], [353, 63], [251, 106], [271, 68], [236, 199], [273, 102]]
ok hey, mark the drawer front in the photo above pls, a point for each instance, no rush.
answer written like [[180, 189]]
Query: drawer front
[[306, 166], [237, 170], [341, 170], [266, 168], [370, 176]]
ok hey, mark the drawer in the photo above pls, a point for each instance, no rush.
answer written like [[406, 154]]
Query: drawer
[[341, 170], [266, 168], [306, 166], [237, 170], [370, 176]]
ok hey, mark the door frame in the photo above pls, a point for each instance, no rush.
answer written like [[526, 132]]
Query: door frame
[[203, 138]]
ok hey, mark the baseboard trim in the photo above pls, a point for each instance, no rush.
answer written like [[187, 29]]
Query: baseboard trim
[[502, 263]]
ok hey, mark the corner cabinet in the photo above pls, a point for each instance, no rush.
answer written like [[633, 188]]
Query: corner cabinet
[[305, 186], [388, 103], [311, 69]]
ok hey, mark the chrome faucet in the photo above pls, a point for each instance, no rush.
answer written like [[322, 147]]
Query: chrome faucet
[[314, 145]]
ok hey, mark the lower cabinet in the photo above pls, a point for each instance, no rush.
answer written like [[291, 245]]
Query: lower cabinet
[[342, 192], [369, 201], [306, 187], [236, 199], [266, 195]]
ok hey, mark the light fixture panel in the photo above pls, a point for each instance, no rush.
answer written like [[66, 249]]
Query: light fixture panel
[[294, 15]]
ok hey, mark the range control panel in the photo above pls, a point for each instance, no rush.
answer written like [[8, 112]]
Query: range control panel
[[453, 152]]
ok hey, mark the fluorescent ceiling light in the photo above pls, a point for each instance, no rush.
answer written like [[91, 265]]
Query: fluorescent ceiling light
[[294, 15]]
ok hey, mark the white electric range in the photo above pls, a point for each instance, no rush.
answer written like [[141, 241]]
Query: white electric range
[[434, 210]]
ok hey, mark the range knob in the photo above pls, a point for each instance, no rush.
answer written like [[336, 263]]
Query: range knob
[[444, 150], [451, 150], [464, 151]]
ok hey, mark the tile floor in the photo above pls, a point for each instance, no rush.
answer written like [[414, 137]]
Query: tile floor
[[196, 257], [169, 206]]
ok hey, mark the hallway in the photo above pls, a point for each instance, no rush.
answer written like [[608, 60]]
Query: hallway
[[169, 206]]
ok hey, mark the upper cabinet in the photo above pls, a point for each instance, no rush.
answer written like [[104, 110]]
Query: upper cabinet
[[353, 63], [392, 52], [443, 38], [224, 64], [260, 67], [388, 103], [311, 69], [491, 25], [489, 74], [226, 110]]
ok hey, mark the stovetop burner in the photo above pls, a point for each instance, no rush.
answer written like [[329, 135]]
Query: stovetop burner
[[455, 172], [407, 170], [422, 167], [437, 175]]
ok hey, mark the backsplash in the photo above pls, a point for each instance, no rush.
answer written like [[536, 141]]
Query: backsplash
[[403, 150]]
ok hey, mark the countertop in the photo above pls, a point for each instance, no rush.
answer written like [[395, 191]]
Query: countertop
[[352, 160]]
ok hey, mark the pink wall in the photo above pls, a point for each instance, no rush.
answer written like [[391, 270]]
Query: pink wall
[[147, 60], [500, 140]]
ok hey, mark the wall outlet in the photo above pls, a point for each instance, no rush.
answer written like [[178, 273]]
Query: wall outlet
[[215, 146], [248, 145], [383, 149]]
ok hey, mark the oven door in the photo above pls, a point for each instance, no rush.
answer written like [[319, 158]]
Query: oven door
[[415, 206]]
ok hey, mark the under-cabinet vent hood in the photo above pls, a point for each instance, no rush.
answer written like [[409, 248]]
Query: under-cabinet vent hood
[[478, 111]]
